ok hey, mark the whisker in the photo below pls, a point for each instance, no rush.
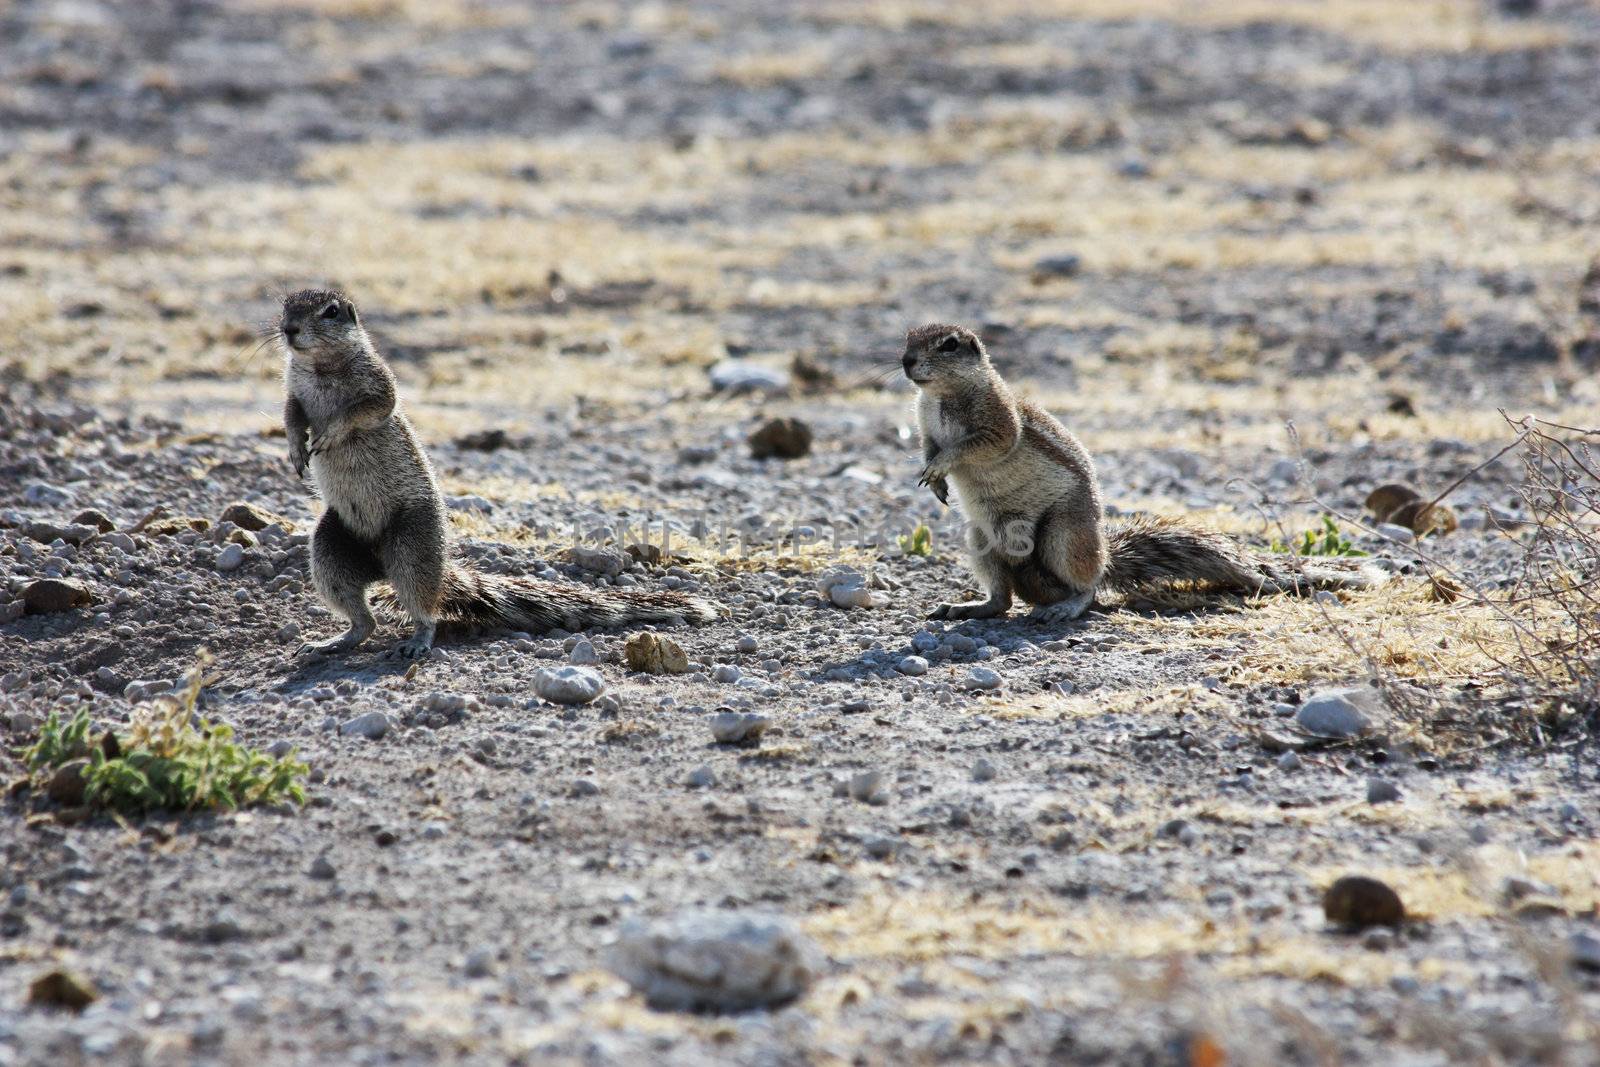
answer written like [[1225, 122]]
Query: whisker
[[875, 377]]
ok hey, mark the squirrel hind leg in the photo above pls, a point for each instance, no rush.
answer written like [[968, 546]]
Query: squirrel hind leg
[[342, 567], [413, 561]]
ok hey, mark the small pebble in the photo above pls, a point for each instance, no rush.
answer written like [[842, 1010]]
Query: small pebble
[[230, 558], [983, 771], [322, 870], [1381, 791], [700, 778]]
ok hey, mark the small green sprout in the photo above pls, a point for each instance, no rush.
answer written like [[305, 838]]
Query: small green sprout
[[1327, 541]]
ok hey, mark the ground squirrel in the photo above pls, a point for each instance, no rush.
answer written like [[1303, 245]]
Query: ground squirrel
[[1032, 500], [383, 518]]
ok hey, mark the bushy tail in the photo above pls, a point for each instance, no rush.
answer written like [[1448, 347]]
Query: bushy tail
[[1148, 551], [535, 605]]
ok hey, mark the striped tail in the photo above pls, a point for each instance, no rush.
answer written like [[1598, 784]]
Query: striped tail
[[1148, 551]]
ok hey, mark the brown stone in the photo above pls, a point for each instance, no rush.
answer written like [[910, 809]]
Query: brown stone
[[1423, 519], [68, 784], [176, 525], [1385, 500], [249, 517], [781, 439], [95, 518], [55, 594], [644, 552], [62, 989], [653, 654], [1358, 901]]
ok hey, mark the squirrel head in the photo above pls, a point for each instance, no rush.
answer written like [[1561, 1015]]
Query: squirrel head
[[320, 326], [941, 356]]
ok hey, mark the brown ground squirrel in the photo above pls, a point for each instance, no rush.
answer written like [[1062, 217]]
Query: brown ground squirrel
[[383, 518], [1032, 501]]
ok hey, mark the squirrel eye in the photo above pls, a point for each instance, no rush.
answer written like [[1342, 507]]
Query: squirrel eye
[[949, 344], [331, 311]]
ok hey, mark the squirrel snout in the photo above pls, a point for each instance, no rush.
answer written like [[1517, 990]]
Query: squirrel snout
[[291, 332], [908, 361]]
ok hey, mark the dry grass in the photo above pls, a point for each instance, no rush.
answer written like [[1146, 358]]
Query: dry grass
[[1417, 26]]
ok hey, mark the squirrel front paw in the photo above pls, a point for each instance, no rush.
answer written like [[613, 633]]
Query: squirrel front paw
[[936, 469], [321, 441]]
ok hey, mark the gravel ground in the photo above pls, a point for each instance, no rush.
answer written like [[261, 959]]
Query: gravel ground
[[989, 842]]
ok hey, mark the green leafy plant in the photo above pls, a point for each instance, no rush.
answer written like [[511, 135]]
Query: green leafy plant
[[919, 542], [1327, 541], [169, 759]]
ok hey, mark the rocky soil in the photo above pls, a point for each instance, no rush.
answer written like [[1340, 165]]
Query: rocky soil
[[986, 842]]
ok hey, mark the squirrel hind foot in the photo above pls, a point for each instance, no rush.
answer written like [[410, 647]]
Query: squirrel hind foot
[[1063, 610]]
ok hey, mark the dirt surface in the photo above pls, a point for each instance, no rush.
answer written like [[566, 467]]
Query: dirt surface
[[1318, 247]]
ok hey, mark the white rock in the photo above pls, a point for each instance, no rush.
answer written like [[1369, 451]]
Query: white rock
[[606, 561], [583, 653], [868, 787], [733, 727], [747, 643], [725, 672], [845, 587], [1338, 712], [370, 724], [700, 778], [912, 665], [715, 961], [983, 771], [737, 376], [984, 678], [230, 558], [470, 502], [568, 685]]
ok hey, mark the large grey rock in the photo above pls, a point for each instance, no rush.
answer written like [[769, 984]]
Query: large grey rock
[[607, 561], [984, 678], [736, 727], [372, 725], [1339, 713], [568, 685], [715, 961]]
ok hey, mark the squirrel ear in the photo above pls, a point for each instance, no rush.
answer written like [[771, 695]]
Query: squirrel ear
[[353, 316]]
